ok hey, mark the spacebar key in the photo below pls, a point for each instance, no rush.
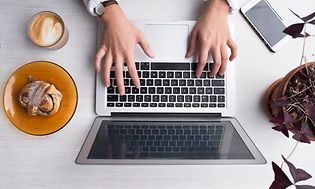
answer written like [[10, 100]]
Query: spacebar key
[[170, 66]]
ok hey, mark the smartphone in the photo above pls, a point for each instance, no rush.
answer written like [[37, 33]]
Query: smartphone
[[266, 22]]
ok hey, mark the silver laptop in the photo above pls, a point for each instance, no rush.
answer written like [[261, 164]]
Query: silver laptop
[[174, 118]]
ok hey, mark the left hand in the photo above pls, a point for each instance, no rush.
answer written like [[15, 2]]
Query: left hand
[[211, 34]]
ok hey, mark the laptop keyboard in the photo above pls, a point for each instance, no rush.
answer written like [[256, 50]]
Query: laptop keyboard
[[150, 138], [169, 85]]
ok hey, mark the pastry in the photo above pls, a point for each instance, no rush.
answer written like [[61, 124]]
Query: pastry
[[40, 98]]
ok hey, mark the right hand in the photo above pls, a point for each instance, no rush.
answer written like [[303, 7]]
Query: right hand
[[118, 45]]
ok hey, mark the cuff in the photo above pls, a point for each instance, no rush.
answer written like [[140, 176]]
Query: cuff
[[233, 4], [92, 4]]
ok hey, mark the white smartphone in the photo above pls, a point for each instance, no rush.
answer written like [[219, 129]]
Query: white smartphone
[[266, 22]]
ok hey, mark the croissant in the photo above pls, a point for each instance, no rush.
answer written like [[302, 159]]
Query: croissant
[[40, 98]]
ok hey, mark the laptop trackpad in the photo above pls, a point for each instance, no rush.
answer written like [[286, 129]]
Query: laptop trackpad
[[167, 40]]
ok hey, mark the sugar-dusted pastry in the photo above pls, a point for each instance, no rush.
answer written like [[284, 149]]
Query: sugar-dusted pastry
[[40, 98]]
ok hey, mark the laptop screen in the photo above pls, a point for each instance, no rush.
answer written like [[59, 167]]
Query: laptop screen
[[168, 140]]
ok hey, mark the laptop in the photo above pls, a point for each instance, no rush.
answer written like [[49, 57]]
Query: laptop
[[174, 118]]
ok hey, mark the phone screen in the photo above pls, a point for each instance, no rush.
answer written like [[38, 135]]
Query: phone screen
[[266, 22]]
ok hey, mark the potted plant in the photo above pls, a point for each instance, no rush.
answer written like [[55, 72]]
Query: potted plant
[[290, 105]]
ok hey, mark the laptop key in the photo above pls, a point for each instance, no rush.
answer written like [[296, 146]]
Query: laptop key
[[187, 105], [126, 82], [213, 98], [176, 90], [204, 105], [112, 98], [180, 98], [151, 90], [218, 82], [178, 105], [190, 82], [184, 90], [127, 104], [182, 82], [154, 74], [186, 75], [172, 98], [206, 82], [143, 90], [139, 74], [142, 82], [168, 90], [188, 98], [128, 90], [161, 105], [170, 74], [219, 91], [208, 90], [204, 98], [139, 98], [212, 105], [170, 104], [192, 90], [160, 90], [198, 82], [144, 105], [119, 104], [178, 75], [200, 90], [162, 74], [137, 65], [123, 98], [156, 98], [196, 98], [203, 75], [131, 98], [147, 98], [145, 66], [158, 82], [164, 98], [195, 105], [149, 82], [153, 104], [220, 105], [110, 104], [221, 99], [174, 82], [110, 90], [166, 82]]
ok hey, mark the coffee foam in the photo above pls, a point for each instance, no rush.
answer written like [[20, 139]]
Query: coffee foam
[[45, 29]]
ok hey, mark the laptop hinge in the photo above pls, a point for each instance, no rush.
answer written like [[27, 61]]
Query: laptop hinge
[[157, 115]]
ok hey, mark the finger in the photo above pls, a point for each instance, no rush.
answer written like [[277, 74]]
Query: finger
[[145, 46], [216, 55], [119, 74], [203, 57], [233, 47], [224, 59], [99, 55], [122, 154], [132, 69], [192, 44], [108, 62]]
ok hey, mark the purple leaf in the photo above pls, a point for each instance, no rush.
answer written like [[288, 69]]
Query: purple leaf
[[281, 180], [295, 14], [294, 30], [310, 110], [306, 129], [297, 174], [283, 129], [302, 35], [279, 103], [304, 187], [301, 138], [307, 18], [312, 22], [287, 117], [278, 119]]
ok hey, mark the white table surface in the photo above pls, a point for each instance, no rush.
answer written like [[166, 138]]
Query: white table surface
[[48, 162]]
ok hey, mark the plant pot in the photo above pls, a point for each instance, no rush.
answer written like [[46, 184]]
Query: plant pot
[[278, 89]]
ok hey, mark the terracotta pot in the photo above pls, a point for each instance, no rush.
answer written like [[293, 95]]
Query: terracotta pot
[[277, 90]]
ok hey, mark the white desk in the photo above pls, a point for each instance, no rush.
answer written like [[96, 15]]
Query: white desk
[[48, 162]]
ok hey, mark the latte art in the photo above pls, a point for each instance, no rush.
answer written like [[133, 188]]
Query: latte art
[[46, 29]]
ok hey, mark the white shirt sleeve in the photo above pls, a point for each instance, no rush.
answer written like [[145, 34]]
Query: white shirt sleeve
[[92, 4], [234, 5]]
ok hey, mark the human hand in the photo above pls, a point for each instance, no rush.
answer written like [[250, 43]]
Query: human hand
[[211, 34], [118, 45]]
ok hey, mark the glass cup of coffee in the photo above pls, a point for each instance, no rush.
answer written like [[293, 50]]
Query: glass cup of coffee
[[47, 29]]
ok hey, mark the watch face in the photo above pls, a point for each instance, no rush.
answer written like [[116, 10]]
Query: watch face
[[99, 9]]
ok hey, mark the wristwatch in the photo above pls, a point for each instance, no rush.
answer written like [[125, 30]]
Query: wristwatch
[[99, 10]]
